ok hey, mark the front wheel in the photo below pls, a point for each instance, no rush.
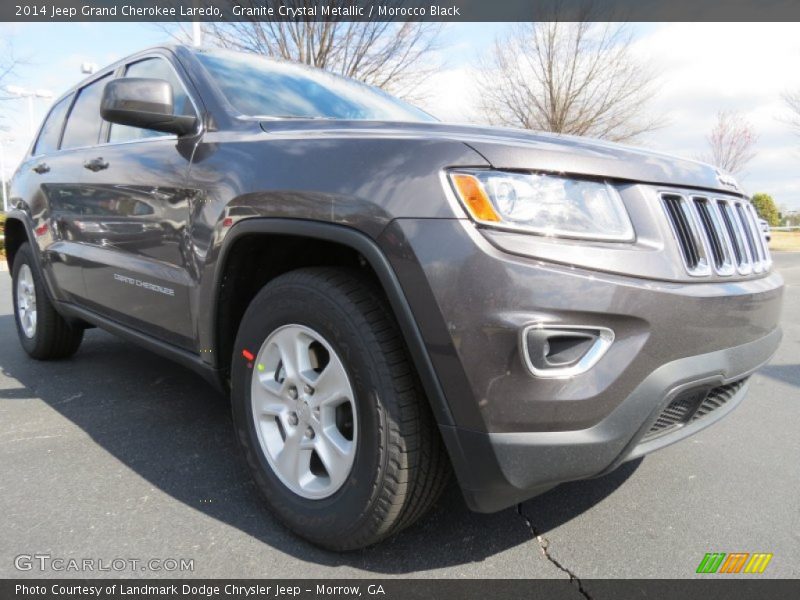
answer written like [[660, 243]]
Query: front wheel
[[329, 410]]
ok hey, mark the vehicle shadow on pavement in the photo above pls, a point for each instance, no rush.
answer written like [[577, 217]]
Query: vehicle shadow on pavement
[[168, 426], [786, 373]]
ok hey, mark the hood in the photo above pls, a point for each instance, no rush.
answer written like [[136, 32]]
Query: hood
[[506, 148]]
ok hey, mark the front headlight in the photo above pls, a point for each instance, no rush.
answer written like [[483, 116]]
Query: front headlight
[[543, 204]]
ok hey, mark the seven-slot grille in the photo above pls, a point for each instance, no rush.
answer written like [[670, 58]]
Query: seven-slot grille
[[719, 235]]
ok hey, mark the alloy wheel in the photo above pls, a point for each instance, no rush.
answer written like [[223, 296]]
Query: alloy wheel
[[304, 411], [26, 301]]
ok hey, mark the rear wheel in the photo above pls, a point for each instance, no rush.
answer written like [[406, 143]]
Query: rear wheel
[[329, 411], [43, 333]]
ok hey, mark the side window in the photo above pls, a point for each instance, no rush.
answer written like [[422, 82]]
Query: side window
[[83, 122], [153, 68], [51, 130]]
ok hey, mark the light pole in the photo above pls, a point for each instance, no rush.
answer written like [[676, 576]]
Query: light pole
[[197, 34], [20, 92], [3, 140], [197, 28]]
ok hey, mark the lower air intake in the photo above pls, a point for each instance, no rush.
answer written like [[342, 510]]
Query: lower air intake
[[691, 405]]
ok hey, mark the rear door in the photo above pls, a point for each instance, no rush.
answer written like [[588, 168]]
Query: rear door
[[46, 175], [140, 263], [50, 180]]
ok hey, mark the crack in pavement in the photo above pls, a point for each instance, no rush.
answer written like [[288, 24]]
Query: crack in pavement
[[543, 546]]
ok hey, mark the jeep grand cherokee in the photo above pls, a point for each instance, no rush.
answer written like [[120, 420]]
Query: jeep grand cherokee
[[385, 297]]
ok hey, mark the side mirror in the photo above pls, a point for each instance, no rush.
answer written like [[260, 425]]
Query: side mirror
[[144, 103]]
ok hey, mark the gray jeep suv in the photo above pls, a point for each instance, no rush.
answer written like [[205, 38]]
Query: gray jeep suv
[[385, 297]]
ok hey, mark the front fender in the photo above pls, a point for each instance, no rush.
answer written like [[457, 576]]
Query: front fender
[[211, 288]]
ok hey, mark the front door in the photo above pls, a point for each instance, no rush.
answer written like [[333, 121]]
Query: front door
[[139, 264]]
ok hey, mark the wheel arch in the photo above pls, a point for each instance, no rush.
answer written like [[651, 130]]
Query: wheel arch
[[343, 237], [16, 233], [17, 230]]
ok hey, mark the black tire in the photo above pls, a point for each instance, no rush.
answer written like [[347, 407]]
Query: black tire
[[400, 466], [53, 337]]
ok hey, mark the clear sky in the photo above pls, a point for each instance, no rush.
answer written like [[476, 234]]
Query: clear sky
[[702, 67]]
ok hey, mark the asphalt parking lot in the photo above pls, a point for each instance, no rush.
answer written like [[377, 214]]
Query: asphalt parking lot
[[120, 453]]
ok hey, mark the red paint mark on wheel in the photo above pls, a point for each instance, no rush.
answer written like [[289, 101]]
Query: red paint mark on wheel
[[248, 355]]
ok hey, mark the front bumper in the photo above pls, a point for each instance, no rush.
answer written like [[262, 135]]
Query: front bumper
[[511, 435], [515, 466]]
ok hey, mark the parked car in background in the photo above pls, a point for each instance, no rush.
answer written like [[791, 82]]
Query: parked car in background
[[386, 298], [765, 229]]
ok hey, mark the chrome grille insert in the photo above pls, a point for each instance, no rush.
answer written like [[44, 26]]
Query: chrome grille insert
[[684, 226], [716, 235]]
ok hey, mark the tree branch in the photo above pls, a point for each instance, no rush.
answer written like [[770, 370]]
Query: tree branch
[[575, 77]]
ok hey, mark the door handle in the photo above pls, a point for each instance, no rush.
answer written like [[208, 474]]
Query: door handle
[[96, 164], [41, 168]]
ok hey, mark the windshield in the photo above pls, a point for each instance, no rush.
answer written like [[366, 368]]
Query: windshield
[[260, 87]]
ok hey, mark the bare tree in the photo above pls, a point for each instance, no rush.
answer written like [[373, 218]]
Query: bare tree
[[792, 100], [8, 64], [395, 56], [576, 77], [731, 142]]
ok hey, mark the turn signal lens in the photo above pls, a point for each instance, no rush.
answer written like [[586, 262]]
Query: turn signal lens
[[471, 192]]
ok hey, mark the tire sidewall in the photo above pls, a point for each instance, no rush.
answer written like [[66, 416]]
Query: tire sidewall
[[345, 510], [24, 257]]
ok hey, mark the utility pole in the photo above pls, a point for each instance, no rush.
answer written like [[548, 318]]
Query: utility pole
[[3, 170], [197, 29], [197, 34], [29, 95]]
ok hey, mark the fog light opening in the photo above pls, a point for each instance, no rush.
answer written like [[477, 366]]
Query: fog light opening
[[563, 351]]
